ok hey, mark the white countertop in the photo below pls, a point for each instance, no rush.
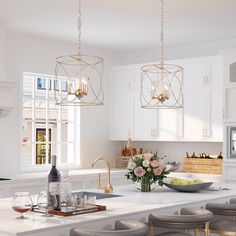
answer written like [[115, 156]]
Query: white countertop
[[132, 202]]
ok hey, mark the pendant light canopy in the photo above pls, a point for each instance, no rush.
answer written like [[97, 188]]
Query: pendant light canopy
[[161, 84], [78, 77]]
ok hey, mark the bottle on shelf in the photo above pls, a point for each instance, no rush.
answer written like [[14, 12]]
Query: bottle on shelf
[[54, 184]]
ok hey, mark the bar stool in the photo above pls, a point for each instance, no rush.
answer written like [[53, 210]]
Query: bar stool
[[122, 228], [223, 226], [188, 219]]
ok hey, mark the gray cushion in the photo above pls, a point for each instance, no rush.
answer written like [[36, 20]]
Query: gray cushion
[[222, 209], [122, 228], [189, 219], [224, 225]]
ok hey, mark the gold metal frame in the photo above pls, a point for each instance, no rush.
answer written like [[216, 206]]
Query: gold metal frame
[[157, 74], [161, 77], [83, 75], [206, 229], [82, 64]]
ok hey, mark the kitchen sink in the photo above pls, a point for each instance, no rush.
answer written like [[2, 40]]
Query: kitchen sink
[[98, 195]]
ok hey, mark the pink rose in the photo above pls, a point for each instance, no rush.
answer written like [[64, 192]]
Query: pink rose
[[157, 171], [155, 163], [147, 156], [139, 171]]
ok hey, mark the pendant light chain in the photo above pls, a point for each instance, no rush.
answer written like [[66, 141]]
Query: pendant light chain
[[79, 27], [165, 80], [162, 32]]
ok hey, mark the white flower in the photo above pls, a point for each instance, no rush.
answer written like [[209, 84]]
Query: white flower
[[149, 169], [131, 165], [146, 163], [139, 156]]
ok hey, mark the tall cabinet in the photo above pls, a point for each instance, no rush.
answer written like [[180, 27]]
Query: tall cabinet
[[199, 120], [229, 163]]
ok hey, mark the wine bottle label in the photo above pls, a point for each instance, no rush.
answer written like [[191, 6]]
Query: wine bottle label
[[54, 188]]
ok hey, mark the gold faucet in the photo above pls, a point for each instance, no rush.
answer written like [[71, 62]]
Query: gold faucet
[[108, 188]]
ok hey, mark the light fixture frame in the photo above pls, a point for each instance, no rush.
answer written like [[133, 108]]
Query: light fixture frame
[[84, 93], [158, 77]]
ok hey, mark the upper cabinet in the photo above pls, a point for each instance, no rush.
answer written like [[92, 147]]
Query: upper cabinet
[[230, 87], [199, 120], [121, 104]]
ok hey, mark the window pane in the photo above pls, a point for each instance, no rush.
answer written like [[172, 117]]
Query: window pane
[[40, 113]]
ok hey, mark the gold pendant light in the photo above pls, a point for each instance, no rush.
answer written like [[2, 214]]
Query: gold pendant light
[[78, 77], [161, 84]]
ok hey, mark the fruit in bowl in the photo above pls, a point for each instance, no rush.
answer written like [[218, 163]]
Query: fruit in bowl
[[176, 181], [186, 185]]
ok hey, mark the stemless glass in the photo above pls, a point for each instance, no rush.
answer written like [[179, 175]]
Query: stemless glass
[[45, 204], [22, 203]]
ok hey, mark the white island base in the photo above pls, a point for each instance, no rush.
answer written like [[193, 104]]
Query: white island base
[[133, 204]]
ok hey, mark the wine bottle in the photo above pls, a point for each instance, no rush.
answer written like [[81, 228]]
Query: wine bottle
[[54, 182]]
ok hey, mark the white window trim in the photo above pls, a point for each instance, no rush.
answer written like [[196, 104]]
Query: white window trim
[[45, 167]]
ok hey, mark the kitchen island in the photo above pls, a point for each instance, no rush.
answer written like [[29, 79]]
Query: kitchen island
[[133, 204]]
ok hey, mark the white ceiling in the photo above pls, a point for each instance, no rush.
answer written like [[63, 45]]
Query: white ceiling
[[123, 24]]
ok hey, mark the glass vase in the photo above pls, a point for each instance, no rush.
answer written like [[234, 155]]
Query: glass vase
[[145, 185]]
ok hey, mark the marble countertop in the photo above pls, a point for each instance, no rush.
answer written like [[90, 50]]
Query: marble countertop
[[131, 202]]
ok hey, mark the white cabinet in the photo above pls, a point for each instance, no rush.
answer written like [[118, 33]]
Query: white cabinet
[[146, 124], [230, 87], [194, 114], [200, 120], [203, 114], [170, 124], [122, 104]]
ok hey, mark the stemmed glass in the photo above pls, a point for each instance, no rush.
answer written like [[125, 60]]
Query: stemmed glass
[[46, 203], [22, 203]]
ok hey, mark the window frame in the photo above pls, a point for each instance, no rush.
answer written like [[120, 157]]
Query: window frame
[[33, 167]]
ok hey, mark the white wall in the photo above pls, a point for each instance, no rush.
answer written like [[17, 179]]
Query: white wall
[[28, 53]]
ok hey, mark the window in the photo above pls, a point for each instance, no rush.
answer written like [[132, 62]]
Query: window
[[47, 129]]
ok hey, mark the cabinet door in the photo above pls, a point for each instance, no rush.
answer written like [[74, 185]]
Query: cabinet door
[[216, 114], [194, 115], [122, 81], [122, 104], [170, 124], [230, 100], [121, 122], [145, 122]]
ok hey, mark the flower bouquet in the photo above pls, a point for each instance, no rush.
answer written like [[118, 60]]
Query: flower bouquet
[[147, 169]]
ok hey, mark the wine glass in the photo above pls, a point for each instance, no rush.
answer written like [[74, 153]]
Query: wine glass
[[46, 202], [22, 203]]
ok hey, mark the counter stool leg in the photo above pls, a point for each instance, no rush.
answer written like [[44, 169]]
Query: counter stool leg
[[151, 230], [195, 232], [206, 229]]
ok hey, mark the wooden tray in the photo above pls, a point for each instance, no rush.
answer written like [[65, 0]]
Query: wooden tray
[[73, 212]]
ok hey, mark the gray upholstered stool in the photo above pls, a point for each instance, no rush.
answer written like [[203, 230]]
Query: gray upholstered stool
[[188, 219], [122, 228], [223, 226]]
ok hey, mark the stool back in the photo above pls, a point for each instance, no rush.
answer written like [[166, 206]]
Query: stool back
[[122, 228]]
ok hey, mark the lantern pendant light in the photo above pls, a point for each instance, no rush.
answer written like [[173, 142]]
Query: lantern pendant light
[[78, 77], [161, 84]]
